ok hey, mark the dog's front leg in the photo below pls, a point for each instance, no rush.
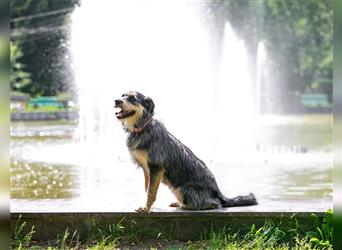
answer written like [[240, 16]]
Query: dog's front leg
[[147, 179], [156, 174]]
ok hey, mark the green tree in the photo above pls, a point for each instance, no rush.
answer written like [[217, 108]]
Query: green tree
[[41, 27], [298, 38], [19, 77], [300, 33]]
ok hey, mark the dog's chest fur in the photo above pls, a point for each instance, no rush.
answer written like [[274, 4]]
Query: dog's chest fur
[[141, 158], [138, 153]]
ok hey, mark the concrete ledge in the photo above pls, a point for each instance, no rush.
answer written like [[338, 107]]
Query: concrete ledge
[[44, 116], [173, 225], [52, 217]]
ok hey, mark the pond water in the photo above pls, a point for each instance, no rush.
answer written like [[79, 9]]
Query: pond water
[[291, 160]]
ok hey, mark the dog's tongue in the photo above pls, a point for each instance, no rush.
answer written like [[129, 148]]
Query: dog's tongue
[[119, 111], [119, 114]]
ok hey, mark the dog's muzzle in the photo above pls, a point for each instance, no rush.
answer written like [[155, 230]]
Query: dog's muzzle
[[118, 103], [122, 114]]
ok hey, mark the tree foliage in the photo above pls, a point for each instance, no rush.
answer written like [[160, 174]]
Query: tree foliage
[[19, 77], [298, 37], [300, 33], [41, 29]]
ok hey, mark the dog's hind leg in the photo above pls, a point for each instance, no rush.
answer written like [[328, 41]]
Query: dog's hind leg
[[197, 198], [174, 204]]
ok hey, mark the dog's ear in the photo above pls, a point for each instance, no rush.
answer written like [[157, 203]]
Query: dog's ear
[[149, 104]]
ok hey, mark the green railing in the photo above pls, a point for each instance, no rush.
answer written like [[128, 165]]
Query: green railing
[[315, 101], [45, 101]]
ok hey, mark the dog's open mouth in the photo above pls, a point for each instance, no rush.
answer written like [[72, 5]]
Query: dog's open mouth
[[122, 114]]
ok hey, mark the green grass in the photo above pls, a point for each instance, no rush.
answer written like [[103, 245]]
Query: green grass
[[322, 234], [272, 235], [22, 239]]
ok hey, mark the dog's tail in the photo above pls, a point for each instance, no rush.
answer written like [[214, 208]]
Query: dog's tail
[[241, 200]]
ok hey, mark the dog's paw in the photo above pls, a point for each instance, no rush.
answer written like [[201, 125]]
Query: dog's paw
[[174, 204], [142, 210]]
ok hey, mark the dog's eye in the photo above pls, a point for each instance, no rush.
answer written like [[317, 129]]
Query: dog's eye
[[132, 99]]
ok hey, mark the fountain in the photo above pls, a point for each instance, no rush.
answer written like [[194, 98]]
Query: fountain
[[234, 98], [167, 59]]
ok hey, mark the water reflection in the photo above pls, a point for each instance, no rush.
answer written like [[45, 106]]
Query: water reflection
[[292, 161], [42, 181], [308, 184]]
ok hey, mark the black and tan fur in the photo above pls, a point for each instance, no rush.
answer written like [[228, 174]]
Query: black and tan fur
[[165, 159]]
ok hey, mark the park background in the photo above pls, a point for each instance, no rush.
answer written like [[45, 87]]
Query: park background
[[298, 39]]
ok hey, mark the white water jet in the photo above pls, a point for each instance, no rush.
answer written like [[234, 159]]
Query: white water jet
[[235, 103], [263, 90], [131, 45], [260, 78]]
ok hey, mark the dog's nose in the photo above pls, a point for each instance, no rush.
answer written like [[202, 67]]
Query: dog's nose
[[118, 102]]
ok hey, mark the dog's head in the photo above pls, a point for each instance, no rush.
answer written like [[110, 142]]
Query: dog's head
[[135, 110]]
